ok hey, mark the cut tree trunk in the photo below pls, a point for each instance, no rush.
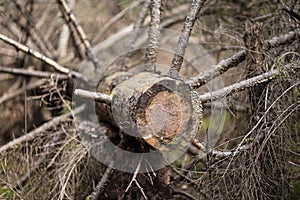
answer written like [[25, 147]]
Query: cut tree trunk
[[153, 112], [162, 111]]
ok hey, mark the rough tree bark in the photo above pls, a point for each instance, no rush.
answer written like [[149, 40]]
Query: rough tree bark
[[160, 112]]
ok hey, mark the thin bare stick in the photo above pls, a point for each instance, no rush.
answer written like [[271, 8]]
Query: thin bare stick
[[237, 58], [185, 36], [95, 96], [40, 56], [12, 94], [137, 170], [27, 72], [40, 130], [153, 36], [102, 183], [226, 91], [234, 152], [71, 18]]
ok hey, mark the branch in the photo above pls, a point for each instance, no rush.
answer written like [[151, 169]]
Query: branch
[[226, 91], [40, 130], [27, 72], [237, 58], [102, 183], [95, 96], [153, 36], [40, 56], [225, 154], [133, 179], [185, 36], [71, 18], [31, 86]]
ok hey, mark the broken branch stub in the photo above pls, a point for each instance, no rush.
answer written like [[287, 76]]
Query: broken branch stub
[[160, 110]]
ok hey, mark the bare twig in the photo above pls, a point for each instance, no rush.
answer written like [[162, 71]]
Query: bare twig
[[137, 170], [234, 152], [284, 39], [28, 72], [71, 18], [217, 69], [237, 58], [185, 36], [40, 56], [95, 96], [153, 36], [102, 183], [226, 91], [31, 86], [40, 130]]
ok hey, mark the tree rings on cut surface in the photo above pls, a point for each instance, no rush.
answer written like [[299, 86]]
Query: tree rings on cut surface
[[160, 110]]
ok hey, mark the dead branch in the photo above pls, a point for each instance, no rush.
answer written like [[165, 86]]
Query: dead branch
[[40, 130], [237, 58], [225, 154], [95, 96], [226, 91], [102, 183], [34, 73], [41, 57], [137, 170], [185, 36], [70, 17], [284, 39], [153, 36], [31, 86]]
